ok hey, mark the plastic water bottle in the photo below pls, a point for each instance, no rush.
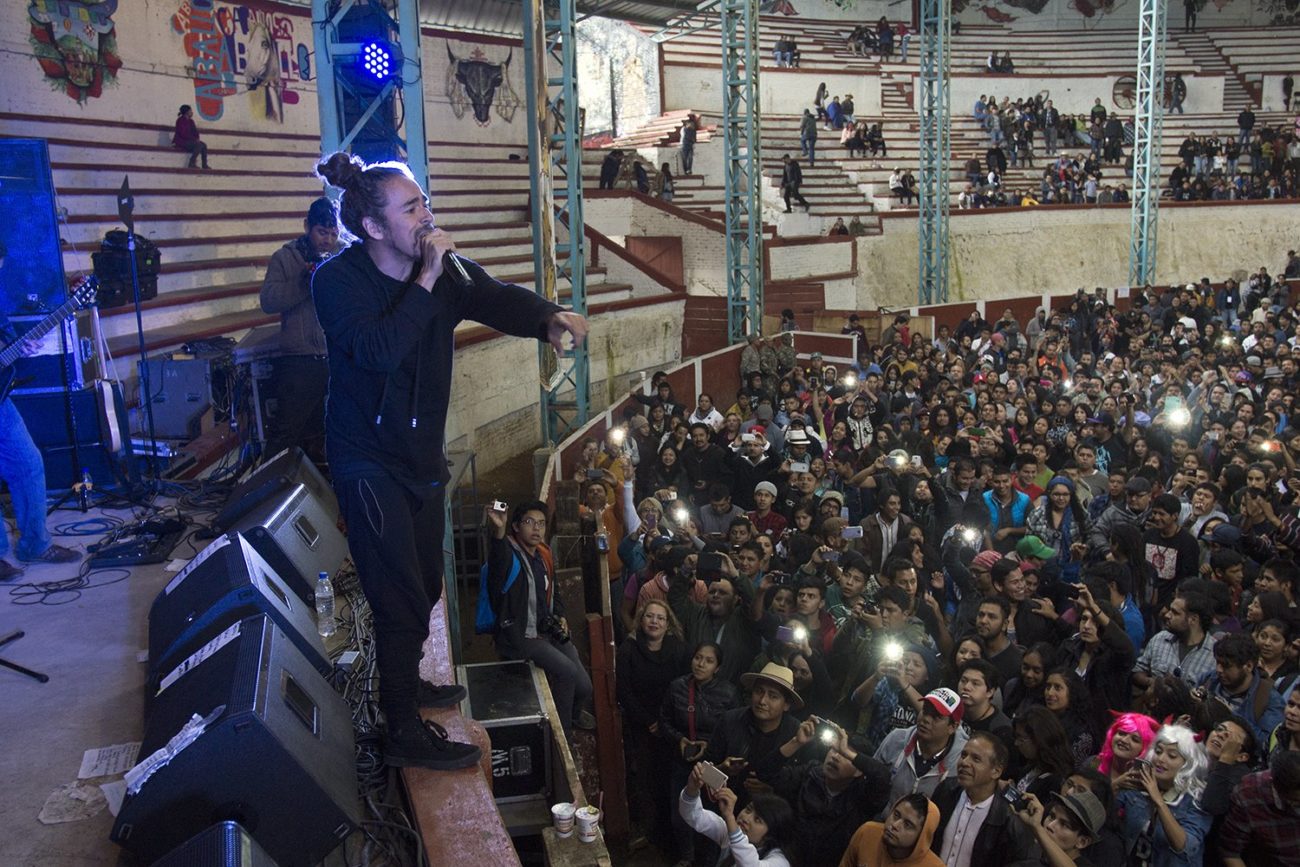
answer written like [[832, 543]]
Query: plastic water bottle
[[87, 485], [324, 605]]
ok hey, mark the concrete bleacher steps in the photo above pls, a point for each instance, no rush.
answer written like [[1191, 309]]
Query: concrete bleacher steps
[[1254, 52], [217, 229], [1238, 94]]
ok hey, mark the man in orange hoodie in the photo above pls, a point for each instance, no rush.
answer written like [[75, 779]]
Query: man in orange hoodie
[[902, 840]]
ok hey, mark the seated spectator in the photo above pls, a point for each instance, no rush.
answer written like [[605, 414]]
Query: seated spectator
[[186, 137], [530, 614]]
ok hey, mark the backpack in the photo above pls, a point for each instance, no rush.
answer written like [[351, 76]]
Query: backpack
[[485, 616]]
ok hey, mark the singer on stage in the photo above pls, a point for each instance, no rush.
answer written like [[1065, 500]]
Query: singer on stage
[[389, 306]]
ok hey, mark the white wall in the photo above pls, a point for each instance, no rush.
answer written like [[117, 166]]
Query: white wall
[[1075, 94], [1272, 94], [618, 75], [780, 91], [1079, 247], [494, 401], [854, 11]]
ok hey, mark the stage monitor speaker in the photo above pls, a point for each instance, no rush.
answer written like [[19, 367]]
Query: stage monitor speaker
[[297, 533], [273, 478], [96, 416], [245, 730], [33, 280], [224, 844], [227, 582]]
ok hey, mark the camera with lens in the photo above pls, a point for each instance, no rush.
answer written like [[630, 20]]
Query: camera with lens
[[552, 627]]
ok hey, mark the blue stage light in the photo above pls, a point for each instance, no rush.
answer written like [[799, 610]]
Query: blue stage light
[[377, 60]]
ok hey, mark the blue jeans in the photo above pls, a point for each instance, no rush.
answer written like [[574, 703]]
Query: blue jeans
[[808, 147], [23, 470]]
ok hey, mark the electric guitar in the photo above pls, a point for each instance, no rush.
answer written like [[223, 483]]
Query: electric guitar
[[79, 296]]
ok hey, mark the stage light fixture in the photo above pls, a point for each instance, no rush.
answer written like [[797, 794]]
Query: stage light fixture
[[377, 61]]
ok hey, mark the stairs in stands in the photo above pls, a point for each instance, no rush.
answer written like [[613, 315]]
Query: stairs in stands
[[897, 92], [1238, 94], [662, 131]]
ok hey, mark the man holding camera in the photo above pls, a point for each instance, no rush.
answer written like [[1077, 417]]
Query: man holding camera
[[530, 614]]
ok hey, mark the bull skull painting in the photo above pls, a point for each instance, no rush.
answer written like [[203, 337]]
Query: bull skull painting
[[474, 83]]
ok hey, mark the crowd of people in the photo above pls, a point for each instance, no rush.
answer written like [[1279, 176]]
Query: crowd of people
[[1262, 162], [865, 40], [1009, 593]]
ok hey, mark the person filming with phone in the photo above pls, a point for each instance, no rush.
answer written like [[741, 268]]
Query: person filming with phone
[[530, 614]]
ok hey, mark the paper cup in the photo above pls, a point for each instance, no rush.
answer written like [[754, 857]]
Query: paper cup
[[562, 814], [588, 823]]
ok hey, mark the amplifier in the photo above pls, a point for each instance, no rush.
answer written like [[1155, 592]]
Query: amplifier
[[226, 582], [224, 844], [297, 534], [506, 699], [275, 477], [113, 268], [181, 390], [245, 730]]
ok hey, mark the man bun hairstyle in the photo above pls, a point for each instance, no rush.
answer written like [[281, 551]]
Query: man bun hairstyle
[[363, 187]]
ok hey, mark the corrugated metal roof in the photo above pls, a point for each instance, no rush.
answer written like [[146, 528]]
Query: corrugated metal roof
[[505, 17]]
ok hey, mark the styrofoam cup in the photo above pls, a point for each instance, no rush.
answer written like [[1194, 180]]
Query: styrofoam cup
[[562, 814], [588, 822]]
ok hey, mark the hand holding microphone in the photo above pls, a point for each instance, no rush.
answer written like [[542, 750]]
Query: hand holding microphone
[[437, 255]]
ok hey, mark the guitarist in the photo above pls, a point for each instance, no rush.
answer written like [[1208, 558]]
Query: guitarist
[[23, 471]]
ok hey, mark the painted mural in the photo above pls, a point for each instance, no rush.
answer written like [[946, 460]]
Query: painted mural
[[244, 50], [476, 85], [76, 45]]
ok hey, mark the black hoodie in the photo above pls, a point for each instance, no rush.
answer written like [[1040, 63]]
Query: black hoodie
[[390, 349]]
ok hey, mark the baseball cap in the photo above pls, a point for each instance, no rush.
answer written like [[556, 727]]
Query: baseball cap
[[763, 413], [946, 702], [1032, 546], [833, 495], [1085, 807], [1225, 534], [1137, 486], [815, 355], [1104, 418], [985, 560], [765, 486]]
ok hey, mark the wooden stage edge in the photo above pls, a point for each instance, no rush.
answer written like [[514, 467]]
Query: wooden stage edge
[[454, 811]]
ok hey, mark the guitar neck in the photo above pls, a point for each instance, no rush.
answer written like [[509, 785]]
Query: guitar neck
[[14, 351]]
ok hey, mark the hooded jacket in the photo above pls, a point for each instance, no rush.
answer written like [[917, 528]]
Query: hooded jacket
[[867, 848], [390, 346]]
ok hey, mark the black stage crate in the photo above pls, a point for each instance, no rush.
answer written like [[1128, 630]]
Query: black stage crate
[[506, 699]]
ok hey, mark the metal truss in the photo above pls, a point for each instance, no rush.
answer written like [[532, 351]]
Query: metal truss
[[555, 157], [743, 167], [331, 87], [935, 146], [1148, 127]]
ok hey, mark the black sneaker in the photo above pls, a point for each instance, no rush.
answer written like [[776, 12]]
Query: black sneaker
[[427, 746], [429, 695]]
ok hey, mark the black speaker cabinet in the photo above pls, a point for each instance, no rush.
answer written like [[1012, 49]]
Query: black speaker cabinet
[[224, 844], [275, 477], [96, 417], [227, 582], [297, 533], [249, 733]]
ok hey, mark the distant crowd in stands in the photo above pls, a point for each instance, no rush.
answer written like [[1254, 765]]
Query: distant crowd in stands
[[1262, 162], [1011, 593], [1003, 65], [866, 40]]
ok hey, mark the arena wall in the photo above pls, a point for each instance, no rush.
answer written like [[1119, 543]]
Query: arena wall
[[1004, 254], [780, 91]]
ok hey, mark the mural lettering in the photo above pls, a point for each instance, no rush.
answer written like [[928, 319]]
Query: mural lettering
[[239, 49], [76, 45]]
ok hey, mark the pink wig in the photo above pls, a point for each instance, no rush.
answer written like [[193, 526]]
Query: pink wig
[[1144, 726]]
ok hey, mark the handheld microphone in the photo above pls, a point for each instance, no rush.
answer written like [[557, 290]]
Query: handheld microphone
[[452, 265]]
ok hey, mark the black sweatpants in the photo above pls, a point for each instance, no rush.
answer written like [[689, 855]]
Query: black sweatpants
[[395, 537], [299, 384]]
